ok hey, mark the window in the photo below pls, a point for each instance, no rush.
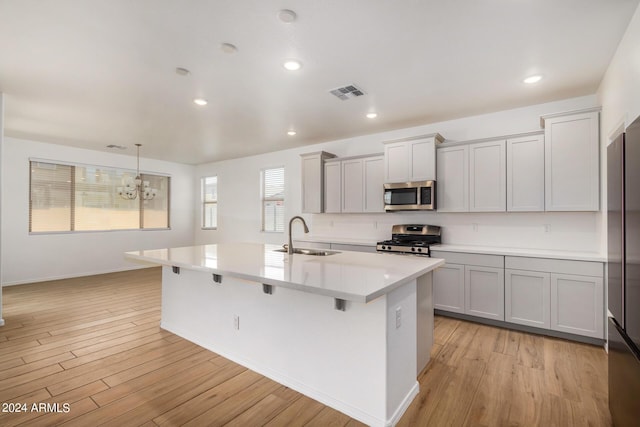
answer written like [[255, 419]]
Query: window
[[86, 198], [273, 199], [210, 202]]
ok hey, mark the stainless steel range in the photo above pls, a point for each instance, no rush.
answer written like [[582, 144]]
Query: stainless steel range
[[411, 239]]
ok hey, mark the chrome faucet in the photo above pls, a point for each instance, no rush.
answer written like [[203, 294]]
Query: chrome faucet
[[306, 230]]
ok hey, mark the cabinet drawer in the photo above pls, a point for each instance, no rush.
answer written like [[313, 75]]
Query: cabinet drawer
[[560, 266], [470, 259]]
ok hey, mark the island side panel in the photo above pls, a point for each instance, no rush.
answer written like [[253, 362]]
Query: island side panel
[[402, 386], [425, 322], [293, 337]]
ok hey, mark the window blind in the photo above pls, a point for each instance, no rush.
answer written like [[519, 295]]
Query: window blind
[[210, 202], [85, 198], [273, 199]]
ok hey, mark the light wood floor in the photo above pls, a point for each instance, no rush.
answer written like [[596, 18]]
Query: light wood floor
[[95, 343]]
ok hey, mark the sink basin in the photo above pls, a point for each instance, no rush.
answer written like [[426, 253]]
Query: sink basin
[[315, 252]]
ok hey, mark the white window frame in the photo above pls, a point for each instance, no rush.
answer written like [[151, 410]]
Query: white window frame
[[264, 199], [205, 202]]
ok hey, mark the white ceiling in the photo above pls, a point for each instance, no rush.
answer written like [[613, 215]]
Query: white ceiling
[[89, 73]]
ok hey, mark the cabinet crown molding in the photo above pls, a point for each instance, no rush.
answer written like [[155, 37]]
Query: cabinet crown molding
[[489, 139], [361, 156], [439, 138], [323, 154], [567, 113]]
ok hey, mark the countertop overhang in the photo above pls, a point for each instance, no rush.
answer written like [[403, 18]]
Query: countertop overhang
[[352, 276]]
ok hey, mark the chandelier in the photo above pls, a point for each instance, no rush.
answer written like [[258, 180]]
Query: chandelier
[[136, 186]]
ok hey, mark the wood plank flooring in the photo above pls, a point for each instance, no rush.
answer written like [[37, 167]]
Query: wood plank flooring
[[95, 343]]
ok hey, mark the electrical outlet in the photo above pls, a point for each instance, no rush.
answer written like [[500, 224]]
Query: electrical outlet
[[547, 228], [236, 322], [398, 317], [475, 227]]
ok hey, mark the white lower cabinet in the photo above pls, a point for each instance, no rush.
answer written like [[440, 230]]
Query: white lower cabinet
[[527, 297], [472, 284], [561, 295], [484, 292], [448, 288], [553, 294], [577, 304]]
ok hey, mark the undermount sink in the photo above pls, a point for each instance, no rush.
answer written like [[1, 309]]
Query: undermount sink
[[315, 252]]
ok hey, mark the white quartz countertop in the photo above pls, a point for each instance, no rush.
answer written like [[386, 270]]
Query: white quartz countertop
[[533, 253], [352, 276]]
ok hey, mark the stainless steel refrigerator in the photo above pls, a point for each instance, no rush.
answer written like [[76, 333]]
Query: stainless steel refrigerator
[[623, 218]]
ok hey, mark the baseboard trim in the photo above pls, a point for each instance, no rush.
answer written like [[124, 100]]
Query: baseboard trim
[[523, 328], [72, 276]]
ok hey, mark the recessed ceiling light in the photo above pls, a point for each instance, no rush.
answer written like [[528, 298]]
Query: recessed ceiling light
[[533, 79], [201, 102], [287, 16], [292, 64], [291, 132], [182, 71], [228, 48], [372, 115]]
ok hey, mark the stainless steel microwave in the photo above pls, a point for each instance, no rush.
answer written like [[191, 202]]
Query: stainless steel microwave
[[410, 196]]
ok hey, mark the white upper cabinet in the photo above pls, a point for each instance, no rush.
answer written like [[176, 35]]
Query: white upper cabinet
[[487, 176], [354, 184], [312, 167], [332, 187], [373, 184], [525, 173], [411, 159], [572, 173], [452, 182]]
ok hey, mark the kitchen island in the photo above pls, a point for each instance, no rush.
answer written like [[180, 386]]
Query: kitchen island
[[351, 330]]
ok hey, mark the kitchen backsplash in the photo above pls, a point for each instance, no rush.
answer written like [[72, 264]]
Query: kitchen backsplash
[[557, 230]]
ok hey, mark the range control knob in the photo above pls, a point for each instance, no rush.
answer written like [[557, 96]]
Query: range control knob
[[413, 249], [419, 249]]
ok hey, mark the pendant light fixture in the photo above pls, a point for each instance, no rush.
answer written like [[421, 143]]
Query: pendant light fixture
[[133, 188]]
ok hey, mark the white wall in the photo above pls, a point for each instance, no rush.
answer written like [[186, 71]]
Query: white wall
[[1, 156], [619, 91], [239, 193], [38, 257]]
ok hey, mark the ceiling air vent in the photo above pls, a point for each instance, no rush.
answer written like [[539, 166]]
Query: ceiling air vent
[[119, 147], [347, 92]]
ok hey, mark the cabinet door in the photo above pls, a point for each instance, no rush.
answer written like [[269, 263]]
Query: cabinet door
[[577, 304], [527, 297], [453, 179], [374, 184], [572, 172], [484, 292], [332, 187], [422, 160], [312, 184], [487, 177], [396, 162], [525, 174], [352, 186], [448, 288]]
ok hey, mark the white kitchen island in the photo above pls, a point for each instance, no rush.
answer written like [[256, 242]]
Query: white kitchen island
[[351, 330]]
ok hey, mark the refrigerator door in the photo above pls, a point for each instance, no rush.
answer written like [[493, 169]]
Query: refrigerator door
[[632, 232], [615, 232], [624, 380]]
